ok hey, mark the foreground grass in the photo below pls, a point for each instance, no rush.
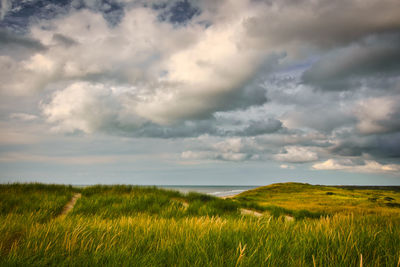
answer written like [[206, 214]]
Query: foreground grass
[[136, 226]]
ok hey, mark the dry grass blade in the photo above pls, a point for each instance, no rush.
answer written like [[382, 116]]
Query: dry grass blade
[[241, 253]]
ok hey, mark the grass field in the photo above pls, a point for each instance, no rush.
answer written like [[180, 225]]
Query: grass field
[[301, 225]]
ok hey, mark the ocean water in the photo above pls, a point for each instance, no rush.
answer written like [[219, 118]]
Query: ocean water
[[215, 190]]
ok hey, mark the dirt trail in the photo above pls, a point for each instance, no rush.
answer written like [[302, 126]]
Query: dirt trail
[[289, 218], [70, 205], [250, 212]]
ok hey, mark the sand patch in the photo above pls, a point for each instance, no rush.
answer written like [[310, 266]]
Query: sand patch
[[250, 212]]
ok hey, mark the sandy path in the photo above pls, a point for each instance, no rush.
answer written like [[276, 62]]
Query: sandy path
[[70, 205], [288, 218], [250, 212]]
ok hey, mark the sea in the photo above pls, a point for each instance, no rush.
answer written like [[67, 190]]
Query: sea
[[214, 190]]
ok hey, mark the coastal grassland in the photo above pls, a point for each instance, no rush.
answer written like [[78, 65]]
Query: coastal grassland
[[316, 200], [144, 226]]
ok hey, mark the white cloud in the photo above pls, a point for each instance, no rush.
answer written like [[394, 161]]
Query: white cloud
[[285, 166], [89, 107], [172, 73], [369, 166], [296, 154]]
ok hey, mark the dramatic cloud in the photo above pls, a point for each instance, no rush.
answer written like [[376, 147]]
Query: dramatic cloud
[[10, 41], [172, 73], [381, 146], [89, 107], [375, 57], [310, 84], [321, 23]]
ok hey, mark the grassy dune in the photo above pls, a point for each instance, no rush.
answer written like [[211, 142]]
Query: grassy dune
[[323, 200], [141, 226]]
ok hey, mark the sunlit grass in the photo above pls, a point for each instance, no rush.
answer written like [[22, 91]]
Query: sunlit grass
[[322, 199]]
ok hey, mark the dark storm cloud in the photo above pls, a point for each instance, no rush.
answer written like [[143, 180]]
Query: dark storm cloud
[[378, 115], [181, 130], [196, 128], [384, 146], [391, 125], [250, 95], [260, 127], [376, 57], [303, 107], [9, 40], [320, 117], [64, 40]]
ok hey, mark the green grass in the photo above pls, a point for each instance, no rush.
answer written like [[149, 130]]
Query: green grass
[[146, 226], [115, 201]]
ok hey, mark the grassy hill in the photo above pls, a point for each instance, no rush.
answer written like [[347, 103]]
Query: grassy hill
[[147, 226], [323, 200]]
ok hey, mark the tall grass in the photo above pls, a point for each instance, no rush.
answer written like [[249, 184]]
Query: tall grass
[[208, 241], [131, 226], [23, 205], [112, 202]]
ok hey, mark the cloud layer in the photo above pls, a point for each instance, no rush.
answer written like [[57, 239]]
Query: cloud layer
[[294, 82]]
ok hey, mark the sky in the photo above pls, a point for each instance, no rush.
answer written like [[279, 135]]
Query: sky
[[227, 92]]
